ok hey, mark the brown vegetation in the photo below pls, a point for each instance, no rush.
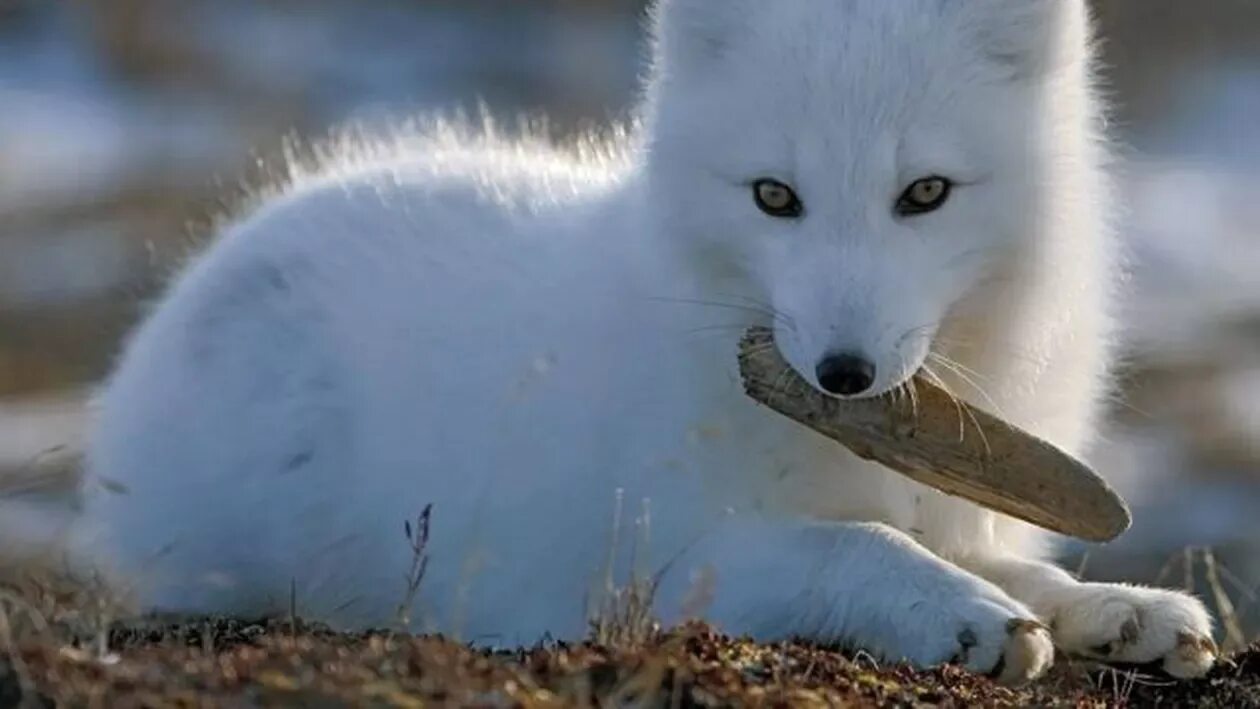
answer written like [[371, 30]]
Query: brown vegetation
[[222, 662]]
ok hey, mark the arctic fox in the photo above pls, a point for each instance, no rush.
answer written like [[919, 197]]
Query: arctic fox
[[520, 335]]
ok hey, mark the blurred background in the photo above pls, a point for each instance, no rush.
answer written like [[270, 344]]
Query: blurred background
[[128, 126]]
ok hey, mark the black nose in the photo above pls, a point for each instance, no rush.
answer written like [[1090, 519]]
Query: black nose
[[845, 375]]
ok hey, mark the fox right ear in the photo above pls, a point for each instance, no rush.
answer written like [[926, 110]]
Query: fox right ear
[[692, 34]]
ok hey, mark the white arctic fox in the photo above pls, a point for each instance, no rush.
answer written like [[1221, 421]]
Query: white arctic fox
[[513, 333]]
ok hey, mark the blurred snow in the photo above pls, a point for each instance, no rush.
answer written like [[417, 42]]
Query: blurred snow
[[72, 146], [77, 132], [1194, 236], [1194, 304], [1184, 448], [1226, 93]]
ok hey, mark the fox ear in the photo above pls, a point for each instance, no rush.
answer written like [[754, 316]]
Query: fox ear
[[1029, 37], [692, 34]]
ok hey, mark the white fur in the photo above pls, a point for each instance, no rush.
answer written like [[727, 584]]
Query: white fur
[[513, 333]]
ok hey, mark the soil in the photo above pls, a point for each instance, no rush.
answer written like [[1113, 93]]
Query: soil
[[228, 662]]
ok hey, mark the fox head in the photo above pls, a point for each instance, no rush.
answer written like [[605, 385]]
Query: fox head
[[859, 166]]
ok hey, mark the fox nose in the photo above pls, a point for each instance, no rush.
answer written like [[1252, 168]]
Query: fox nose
[[845, 374]]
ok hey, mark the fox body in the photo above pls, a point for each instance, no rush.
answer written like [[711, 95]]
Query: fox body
[[521, 335]]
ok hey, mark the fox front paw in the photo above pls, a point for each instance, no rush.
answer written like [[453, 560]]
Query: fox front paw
[[1026, 653], [990, 636], [1116, 623]]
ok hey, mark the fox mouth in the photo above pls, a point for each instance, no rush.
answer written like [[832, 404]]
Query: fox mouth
[[846, 376], [789, 380]]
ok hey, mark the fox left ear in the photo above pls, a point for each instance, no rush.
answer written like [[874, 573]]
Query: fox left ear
[[1030, 37]]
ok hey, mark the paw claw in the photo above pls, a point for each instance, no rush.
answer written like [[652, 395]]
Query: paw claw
[[1025, 625], [1194, 657], [1138, 625], [976, 626], [1028, 654], [1193, 642]]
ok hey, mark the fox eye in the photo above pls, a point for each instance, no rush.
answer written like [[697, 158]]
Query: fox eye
[[777, 199], [923, 196]]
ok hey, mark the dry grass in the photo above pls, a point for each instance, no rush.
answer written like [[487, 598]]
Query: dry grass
[[225, 662], [418, 539], [1218, 582], [59, 642], [620, 614]]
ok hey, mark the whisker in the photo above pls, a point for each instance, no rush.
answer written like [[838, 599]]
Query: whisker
[[961, 406], [912, 386], [932, 375], [959, 365], [1021, 354], [758, 349], [771, 313], [732, 327], [801, 387], [951, 365], [768, 307], [922, 330], [889, 396], [782, 381], [896, 395], [908, 387]]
